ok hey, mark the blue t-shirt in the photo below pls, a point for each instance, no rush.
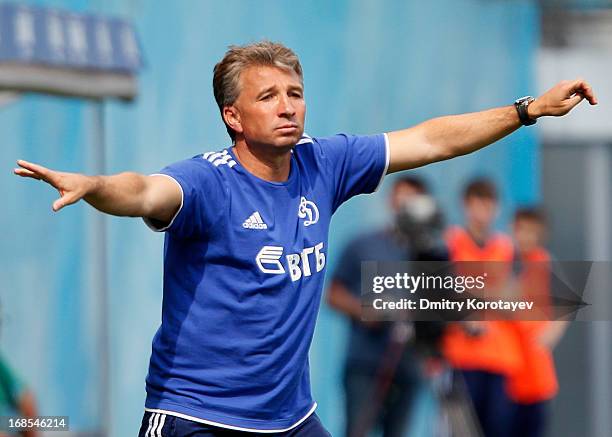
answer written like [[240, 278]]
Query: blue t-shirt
[[367, 345], [244, 261]]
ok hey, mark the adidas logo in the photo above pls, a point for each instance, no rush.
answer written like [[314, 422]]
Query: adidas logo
[[254, 222]]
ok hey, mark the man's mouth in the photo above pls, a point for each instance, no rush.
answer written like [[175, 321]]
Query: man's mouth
[[288, 126]]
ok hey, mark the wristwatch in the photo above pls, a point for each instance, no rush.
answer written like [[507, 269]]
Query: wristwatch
[[521, 107]]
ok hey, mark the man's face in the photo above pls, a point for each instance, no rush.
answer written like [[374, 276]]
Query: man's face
[[270, 109], [402, 192], [528, 234], [480, 211]]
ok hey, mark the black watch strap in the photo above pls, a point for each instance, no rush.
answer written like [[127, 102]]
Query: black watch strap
[[521, 108]]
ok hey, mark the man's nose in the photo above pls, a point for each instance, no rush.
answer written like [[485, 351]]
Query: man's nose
[[286, 106]]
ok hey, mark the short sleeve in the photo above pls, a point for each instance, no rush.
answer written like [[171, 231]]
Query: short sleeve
[[356, 164], [203, 198]]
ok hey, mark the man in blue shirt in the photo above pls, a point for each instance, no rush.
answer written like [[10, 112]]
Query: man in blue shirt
[[246, 239], [381, 375]]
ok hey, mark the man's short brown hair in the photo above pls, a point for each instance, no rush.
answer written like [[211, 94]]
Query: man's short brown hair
[[532, 213], [414, 181], [226, 74], [482, 188]]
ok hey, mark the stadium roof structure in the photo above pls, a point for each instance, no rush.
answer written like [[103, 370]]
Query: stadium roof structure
[[59, 52]]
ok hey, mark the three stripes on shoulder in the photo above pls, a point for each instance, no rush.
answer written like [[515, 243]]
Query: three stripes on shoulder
[[218, 158]]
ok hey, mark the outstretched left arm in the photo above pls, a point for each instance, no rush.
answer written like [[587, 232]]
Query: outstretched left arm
[[455, 135]]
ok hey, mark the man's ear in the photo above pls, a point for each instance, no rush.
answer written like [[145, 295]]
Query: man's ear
[[231, 115]]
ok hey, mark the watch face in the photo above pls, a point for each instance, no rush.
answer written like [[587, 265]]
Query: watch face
[[526, 99]]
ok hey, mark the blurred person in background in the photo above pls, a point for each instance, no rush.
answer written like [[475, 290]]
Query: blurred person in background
[[16, 400], [483, 352], [246, 239], [369, 341], [534, 383]]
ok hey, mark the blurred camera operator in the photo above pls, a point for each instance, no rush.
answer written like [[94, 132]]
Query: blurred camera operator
[[380, 367]]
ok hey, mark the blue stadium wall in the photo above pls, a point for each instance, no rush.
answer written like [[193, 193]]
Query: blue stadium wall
[[369, 67]]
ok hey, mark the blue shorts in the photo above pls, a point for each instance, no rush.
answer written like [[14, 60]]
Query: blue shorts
[[165, 425]]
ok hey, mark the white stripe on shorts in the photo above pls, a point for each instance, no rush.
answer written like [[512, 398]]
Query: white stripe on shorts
[[161, 425], [155, 422], [146, 434]]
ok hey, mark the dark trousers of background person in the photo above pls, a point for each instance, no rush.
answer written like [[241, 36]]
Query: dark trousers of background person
[[491, 403], [393, 413], [529, 420], [163, 425]]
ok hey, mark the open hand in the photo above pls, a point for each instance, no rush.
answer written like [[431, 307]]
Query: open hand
[[71, 186], [562, 98]]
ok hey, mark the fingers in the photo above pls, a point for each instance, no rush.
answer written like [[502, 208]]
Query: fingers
[[580, 86], [25, 173], [33, 167], [58, 204], [33, 170], [574, 100], [30, 170], [65, 200]]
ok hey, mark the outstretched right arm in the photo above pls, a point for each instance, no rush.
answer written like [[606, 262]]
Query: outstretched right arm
[[125, 194]]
